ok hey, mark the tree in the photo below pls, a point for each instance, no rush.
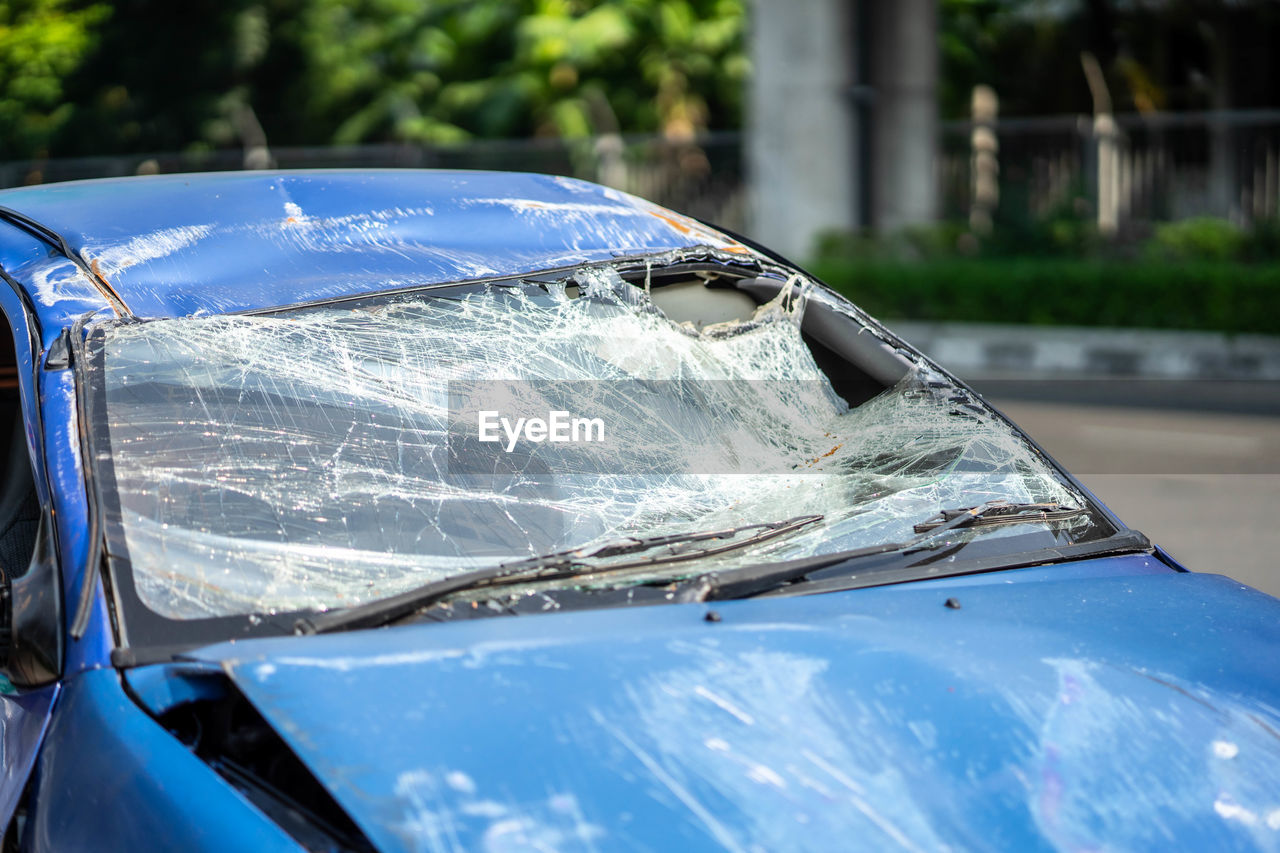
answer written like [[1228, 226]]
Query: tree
[[1155, 54], [445, 71], [216, 73], [41, 43]]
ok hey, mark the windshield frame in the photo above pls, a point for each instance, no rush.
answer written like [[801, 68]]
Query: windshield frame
[[138, 626]]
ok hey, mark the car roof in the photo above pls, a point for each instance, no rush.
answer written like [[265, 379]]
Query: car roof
[[176, 245]]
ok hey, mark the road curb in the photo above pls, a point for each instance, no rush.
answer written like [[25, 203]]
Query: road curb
[[977, 350]]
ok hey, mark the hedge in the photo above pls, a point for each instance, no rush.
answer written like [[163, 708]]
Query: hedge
[[1227, 296]]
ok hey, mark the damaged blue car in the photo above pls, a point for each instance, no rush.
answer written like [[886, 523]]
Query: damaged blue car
[[412, 510]]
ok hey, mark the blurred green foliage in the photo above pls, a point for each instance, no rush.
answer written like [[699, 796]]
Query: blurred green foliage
[[446, 71], [1164, 55], [1195, 274], [1221, 296], [1198, 239], [154, 75], [1062, 235], [41, 42]]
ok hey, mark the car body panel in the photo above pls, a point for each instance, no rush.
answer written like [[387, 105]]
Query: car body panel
[[71, 516], [175, 245], [55, 288], [24, 718], [116, 780], [25, 714], [1108, 702]]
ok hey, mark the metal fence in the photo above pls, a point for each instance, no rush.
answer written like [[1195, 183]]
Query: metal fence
[[1134, 170], [1130, 170], [702, 178]]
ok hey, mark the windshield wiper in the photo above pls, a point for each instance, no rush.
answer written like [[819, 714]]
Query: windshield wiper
[[995, 513], [559, 565], [753, 580]]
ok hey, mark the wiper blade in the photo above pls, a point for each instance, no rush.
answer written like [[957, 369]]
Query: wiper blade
[[752, 580], [561, 564], [903, 570], [996, 513]]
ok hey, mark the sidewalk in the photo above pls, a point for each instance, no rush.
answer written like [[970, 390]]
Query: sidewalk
[[979, 351]]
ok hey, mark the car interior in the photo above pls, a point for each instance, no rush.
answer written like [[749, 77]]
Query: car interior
[[19, 504], [858, 366]]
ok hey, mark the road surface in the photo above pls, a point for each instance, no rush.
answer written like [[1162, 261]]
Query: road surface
[[1204, 485]]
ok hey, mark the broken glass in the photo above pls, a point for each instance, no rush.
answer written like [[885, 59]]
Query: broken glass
[[311, 459]]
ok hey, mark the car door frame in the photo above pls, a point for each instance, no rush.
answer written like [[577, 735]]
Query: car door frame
[[25, 712]]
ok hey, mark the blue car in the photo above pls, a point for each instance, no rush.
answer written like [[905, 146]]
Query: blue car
[[413, 510]]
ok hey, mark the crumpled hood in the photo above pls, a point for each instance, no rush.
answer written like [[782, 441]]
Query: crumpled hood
[[1109, 704]]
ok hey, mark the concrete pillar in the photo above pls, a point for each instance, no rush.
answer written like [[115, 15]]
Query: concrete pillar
[[904, 134], [802, 157]]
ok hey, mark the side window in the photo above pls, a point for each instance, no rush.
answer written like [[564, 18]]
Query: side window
[[19, 505]]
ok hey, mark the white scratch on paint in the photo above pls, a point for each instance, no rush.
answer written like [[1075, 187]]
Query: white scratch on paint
[[461, 782], [483, 808], [725, 705], [721, 834], [346, 664], [885, 826], [1229, 810], [765, 776], [432, 827], [833, 772], [925, 731], [536, 207], [113, 258], [53, 282], [1225, 749]]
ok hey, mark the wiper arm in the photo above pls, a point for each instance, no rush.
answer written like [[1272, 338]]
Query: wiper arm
[[995, 513], [751, 580], [561, 564]]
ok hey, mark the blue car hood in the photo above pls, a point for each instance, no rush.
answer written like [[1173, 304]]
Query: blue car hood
[[1111, 704]]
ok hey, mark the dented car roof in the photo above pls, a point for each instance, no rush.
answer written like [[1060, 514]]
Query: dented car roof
[[176, 245]]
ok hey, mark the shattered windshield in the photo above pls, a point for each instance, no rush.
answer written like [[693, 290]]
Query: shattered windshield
[[332, 455]]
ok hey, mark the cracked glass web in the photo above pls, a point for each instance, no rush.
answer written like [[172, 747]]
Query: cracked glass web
[[301, 460]]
